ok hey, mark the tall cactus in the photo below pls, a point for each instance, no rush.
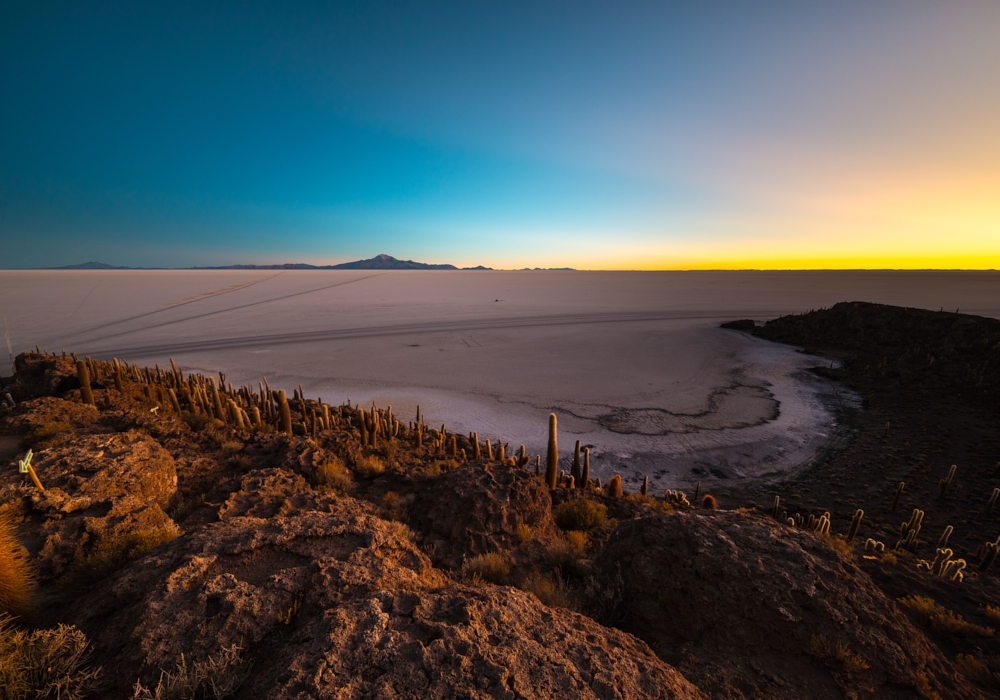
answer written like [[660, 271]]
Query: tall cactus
[[286, 412], [855, 524], [86, 395], [585, 476], [575, 470], [552, 457]]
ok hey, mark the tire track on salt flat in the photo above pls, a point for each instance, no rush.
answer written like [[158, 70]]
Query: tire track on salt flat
[[219, 311], [502, 323]]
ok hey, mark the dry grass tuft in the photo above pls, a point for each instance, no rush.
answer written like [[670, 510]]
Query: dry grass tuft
[[486, 568], [840, 544], [992, 614], [569, 553], [979, 671], [837, 655], [219, 677], [523, 533], [942, 620], [334, 475], [369, 466], [551, 590], [231, 447], [50, 663], [17, 582], [46, 436], [580, 514], [112, 553]]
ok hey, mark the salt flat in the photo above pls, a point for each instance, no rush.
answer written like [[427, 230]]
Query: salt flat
[[633, 363]]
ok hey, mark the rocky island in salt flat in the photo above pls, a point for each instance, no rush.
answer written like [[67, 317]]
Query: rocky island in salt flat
[[175, 535]]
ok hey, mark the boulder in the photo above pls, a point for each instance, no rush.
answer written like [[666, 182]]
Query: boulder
[[476, 509], [746, 607]]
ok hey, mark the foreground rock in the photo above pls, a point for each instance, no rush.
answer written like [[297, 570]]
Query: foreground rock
[[104, 500], [747, 608], [297, 593]]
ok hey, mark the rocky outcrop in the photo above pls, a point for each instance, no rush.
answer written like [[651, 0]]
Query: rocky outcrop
[[104, 501], [48, 410], [94, 469], [328, 600], [746, 607], [476, 509]]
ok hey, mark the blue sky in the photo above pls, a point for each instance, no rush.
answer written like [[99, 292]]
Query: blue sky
[[590, 134]]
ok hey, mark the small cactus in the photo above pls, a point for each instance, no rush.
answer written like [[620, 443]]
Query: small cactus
[[708, 502], [943, 541], [855, 524], [777, 504], [643, 490], [988, 509], [945, 483], [895, 499], [615, 486]]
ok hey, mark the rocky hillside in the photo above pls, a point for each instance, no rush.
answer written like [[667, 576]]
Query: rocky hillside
[[176, 537]]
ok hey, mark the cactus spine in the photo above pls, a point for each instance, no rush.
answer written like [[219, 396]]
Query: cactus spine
[[552, 456]]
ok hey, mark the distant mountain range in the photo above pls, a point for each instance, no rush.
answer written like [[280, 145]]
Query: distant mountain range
[[379, 262]]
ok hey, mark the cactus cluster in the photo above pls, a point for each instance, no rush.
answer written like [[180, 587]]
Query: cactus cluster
[[872, 545], [987, 554], [943, 565], [909, 531]]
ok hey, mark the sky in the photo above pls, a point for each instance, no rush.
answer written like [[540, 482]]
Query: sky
[[596, 135]]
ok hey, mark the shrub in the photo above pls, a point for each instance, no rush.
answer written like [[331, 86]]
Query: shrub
[[889, 558], [17, 583], [388, 448], [219, 677], [395, 508], [523, 533], [840, 544], [368, 466], [45, 436], [48, 663], [486, 568], [580, 514], [197, 421], [334, 475]]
